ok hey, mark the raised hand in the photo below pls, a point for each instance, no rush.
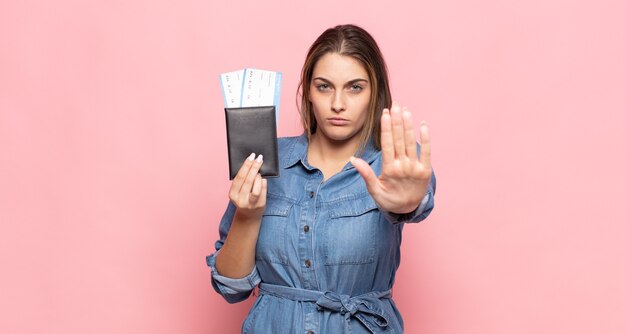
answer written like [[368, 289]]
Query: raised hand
[[248, 190], [404, 179]]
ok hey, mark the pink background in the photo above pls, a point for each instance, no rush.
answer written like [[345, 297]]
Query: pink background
[[113, 169]]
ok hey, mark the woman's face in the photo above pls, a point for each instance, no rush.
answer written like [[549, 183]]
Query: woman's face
[[340, 93]]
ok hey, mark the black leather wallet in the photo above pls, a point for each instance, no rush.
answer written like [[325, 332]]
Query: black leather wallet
[[252, 130]]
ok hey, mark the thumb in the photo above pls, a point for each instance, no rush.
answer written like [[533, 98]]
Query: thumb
[[367, 173]]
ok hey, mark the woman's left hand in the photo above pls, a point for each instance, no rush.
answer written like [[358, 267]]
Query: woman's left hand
[[404, 179]]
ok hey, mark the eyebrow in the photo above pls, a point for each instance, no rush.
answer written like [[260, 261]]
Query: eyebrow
[[353, 81]]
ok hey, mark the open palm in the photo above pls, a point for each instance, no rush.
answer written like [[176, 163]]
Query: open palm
[[404, 178]]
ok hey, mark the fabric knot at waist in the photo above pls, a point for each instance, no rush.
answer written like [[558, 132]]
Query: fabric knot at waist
[[366, 308]]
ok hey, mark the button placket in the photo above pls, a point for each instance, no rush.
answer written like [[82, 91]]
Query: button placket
[[306, 236]]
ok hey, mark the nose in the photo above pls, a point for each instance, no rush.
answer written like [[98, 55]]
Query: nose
[[338, 104]]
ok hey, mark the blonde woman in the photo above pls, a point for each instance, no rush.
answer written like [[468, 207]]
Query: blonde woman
[[322, 241]]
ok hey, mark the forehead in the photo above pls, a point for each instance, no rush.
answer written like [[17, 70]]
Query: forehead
[[338, 68]]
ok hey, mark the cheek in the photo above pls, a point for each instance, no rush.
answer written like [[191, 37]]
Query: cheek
[[363, 99], [316, 113], [315, 110], [362, 104], [315, 99], [319, 103]]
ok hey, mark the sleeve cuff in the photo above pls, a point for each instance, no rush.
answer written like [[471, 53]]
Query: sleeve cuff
[[231, 286]]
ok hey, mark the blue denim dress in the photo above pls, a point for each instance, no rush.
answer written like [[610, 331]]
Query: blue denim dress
[[326, 255]]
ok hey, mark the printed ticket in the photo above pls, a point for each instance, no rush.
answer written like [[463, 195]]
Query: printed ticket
[[251, 87]]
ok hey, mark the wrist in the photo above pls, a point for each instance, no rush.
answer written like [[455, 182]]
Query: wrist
[[406, 210], [247, 216]]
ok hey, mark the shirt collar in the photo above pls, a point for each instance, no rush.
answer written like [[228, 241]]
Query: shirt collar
[[298, 153]]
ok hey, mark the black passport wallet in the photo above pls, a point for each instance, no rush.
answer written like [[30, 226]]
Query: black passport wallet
[[252, 130]]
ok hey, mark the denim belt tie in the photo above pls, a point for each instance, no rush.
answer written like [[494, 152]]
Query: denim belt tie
[[366, 307]]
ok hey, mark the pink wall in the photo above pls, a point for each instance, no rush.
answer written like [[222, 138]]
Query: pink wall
[[113, 170]]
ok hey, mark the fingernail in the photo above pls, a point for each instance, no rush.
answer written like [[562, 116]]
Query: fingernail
[[259, 158], [251, 157]]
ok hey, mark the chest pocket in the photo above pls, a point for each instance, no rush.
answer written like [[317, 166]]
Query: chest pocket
[[351, 231], [271, 244]]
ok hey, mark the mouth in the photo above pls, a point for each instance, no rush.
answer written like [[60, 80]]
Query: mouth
[[338, 121]]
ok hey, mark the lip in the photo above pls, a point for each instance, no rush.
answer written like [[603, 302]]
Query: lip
[[338, 121]]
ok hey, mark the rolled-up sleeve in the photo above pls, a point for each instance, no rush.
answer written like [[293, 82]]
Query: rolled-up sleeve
[[232, 289], [422, 211]]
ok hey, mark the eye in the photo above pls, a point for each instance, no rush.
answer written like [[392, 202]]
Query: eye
[[356, 88], [323, 87]]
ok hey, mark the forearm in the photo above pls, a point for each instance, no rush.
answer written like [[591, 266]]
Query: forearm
[[237, 257]]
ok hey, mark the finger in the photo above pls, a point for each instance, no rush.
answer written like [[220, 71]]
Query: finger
[[263, 191], [409, 135], [386, 138], [242, 173], [256, 189], [397, 127], [254, 170], [425, 147], [370, 178]]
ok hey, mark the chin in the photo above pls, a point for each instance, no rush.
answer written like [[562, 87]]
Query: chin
[[339, 135]]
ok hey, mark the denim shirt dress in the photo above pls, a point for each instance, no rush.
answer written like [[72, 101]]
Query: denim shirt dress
[[326, 255]]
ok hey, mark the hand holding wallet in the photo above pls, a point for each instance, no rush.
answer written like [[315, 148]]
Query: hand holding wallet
[[252, 130]]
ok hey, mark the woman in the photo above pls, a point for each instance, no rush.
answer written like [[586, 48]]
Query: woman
[[322, 241]]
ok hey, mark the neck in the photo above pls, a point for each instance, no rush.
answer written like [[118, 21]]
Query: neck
[[324, 152]]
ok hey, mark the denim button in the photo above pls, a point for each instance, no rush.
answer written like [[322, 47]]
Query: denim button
[[307, 263], [311, 194], [306, 228], [310, 332]]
